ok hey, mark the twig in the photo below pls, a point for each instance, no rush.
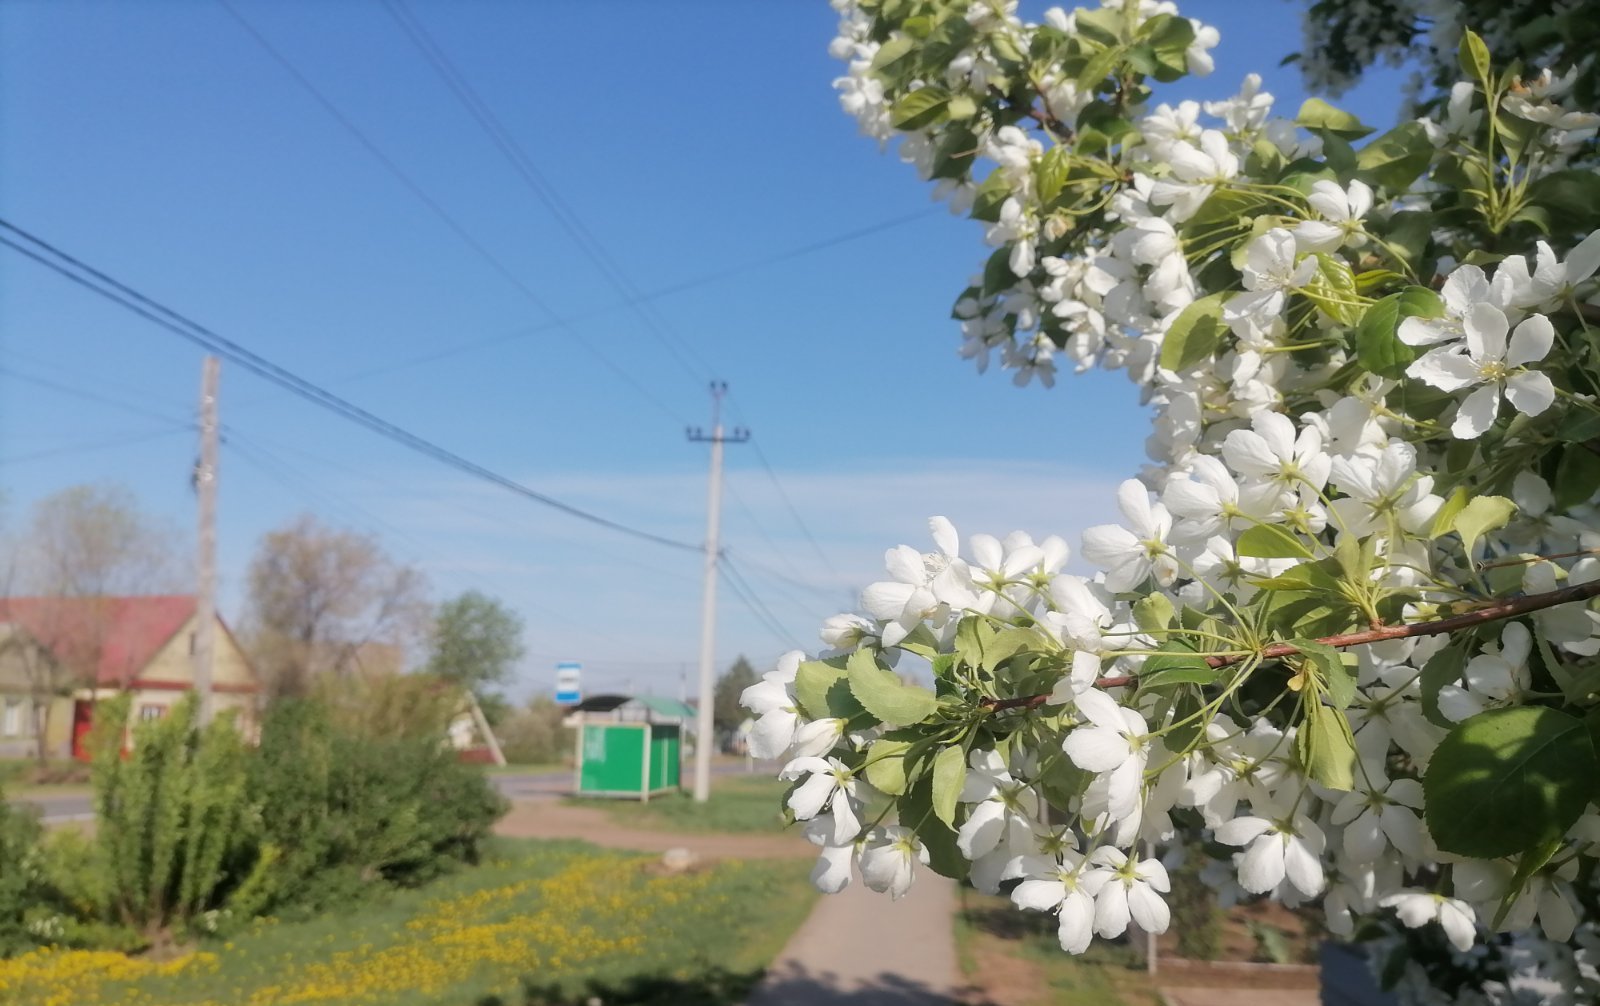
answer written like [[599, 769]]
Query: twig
[[1455, 623]]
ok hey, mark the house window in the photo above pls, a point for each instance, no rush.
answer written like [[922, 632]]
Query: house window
[[14, 719], [151, 712]]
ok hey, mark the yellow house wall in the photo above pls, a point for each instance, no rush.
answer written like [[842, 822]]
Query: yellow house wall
[[172, 664]]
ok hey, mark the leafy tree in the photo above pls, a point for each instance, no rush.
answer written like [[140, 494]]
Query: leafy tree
[[476, 642], [1345, 634], [1346, 37], [328, 601], [82, 546], [726, 712]]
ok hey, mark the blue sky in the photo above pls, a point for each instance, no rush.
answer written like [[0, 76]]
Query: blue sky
[[698, 142]]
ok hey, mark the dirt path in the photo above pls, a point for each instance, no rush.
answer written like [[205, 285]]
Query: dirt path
[[548, 818]]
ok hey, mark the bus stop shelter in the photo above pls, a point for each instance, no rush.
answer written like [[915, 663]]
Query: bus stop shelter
[[628, 746]]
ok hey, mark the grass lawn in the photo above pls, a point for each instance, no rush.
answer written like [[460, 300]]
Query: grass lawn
[[1015, 958], [541, 923], [748, 803]]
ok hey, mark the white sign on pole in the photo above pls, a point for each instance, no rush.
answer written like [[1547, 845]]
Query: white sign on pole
[[569, 682]]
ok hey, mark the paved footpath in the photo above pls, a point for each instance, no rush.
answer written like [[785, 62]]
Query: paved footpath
[[856, 948], [859, 948]]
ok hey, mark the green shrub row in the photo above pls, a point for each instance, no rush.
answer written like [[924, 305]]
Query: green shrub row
[[197, 831]]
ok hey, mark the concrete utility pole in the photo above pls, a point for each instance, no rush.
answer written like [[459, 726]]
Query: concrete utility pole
[[205, 485], [708, 604]]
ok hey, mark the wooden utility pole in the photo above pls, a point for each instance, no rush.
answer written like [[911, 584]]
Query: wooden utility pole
[[704, 726], [205, 485]]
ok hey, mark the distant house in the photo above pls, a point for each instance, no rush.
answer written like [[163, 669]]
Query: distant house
[[94, 648]]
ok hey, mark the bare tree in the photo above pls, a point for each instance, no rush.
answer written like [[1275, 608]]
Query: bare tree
[[83, 547], [322, 600]]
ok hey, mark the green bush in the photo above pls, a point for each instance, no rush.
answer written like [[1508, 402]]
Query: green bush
[[176, 831], [19, 875], [533, 735], [342, 811]]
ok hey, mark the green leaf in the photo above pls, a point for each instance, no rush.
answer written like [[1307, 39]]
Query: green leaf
[[949, 776], [1228, 206], [1333, 289], [1377, 346], [926, 106], [1396, 159], [997, 274], [1175, 668], [1319, 116], [1050, 173], [961, 106], [1445, 519], [1572, 197], [1481, 515], [1528, 864], [821, 688], [992, 194], [1103, 25], [1195, 334], [1577, 476], [1271, 541], [895, 58], [886, 765], [1507, 781], [1473, 57], [922, 642], [884, 695], [1340, 681], [1326, 747], [1153, 612], [915, 811], [1443, 668], [1098, 68]]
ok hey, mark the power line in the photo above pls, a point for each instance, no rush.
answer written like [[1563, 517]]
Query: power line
[[690, 284], [90, 396], [776, 574], [396, 488], [799, 521], [92, 446], [742, 589], [755, 522], [439, 211], [542, 188], [198, 334]]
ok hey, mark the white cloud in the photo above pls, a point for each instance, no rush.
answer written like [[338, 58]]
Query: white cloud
[[593, 595]]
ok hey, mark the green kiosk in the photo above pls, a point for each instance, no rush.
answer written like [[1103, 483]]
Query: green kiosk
[[628, 745]]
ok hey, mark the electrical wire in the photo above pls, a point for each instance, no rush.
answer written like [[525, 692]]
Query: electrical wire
[[439, 211], [746, 593], [91, 446], [690, 284], [783, 494], [191, 331], [589, 245], [90, 396]]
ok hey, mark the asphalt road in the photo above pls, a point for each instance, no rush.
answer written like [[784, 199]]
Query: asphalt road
[[532, 786]]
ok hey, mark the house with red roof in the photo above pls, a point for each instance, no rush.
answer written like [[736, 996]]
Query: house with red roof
[[59, 656]]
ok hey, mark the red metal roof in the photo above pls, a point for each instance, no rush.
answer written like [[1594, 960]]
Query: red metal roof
[[127, 632]]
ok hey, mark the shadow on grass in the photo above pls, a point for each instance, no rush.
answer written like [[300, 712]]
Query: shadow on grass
[[791, 986]]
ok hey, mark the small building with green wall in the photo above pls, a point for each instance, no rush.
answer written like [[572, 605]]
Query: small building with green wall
[[628, 746]]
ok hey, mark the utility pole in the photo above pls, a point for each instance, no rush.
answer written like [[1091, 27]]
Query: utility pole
[[205, 485], [708, 602]]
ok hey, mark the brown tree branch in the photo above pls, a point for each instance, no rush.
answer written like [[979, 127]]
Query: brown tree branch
[[1455, 623]]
